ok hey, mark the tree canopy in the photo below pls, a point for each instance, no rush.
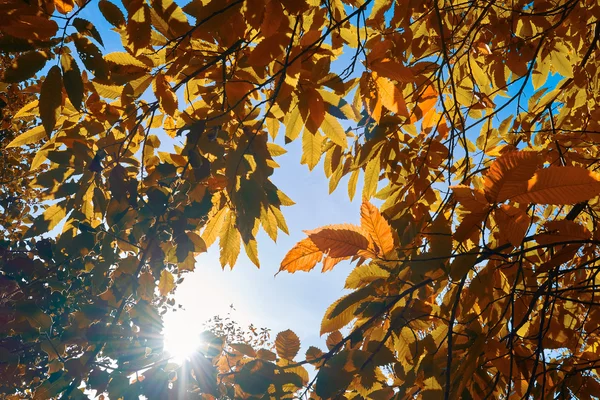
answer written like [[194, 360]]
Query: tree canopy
[[472, 125]]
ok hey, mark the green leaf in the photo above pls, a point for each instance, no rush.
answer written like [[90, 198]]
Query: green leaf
[[72, 80], [25, 66], [51, 99]]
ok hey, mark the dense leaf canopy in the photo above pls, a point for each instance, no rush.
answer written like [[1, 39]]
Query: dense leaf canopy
[[471, 124]]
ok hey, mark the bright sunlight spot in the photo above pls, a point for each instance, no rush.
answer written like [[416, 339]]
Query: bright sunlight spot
[[181, 339], [203, 298]]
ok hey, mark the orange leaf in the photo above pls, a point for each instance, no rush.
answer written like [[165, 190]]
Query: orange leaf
[[64, 6], [562, 231], [393, 70], [377, 228], [165, 95], [560, 185], [302, 257], [509, 173], [513, 223], [339, 240], [472, 200], [287, 344], [391, 97], [330, 262]]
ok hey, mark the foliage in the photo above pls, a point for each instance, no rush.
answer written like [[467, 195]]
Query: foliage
[[475, 278]]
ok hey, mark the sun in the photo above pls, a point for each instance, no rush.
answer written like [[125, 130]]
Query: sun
[[181, 336]]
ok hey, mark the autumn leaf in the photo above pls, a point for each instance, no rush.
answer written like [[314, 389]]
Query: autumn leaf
[[72, 80], [287, 344], [508, 175], [302, 257], [559, 185], [512, 223], [25, 66], [33, 135], [339, 240], [166, 282], [391, 97], [376, 228]]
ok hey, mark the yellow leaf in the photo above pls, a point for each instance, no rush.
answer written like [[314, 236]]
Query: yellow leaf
[[166, 282], [293, 124], [108, 91], [376, 228], [33, 135], [229, 242], [391, 97], [252, 251], [559, 60], [560, 185], [123, 58], [340, 320], [343, 240], [213, 227], [54, 214], [364, 274], [311, 148], [371, 179], [302, 257], [287, 344], [334, 130]]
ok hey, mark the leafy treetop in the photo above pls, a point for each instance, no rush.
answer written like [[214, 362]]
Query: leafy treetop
[[476, 278]]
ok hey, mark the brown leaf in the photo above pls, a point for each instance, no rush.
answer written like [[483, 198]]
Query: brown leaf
[[72, 80], [51, 99]]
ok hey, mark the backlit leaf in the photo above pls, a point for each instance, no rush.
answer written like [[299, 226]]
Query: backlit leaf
[[509, 173], [559, 185], [339, 240], [33, 135], [376, 228], [166, 282], [287, 344], [302, 257]]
